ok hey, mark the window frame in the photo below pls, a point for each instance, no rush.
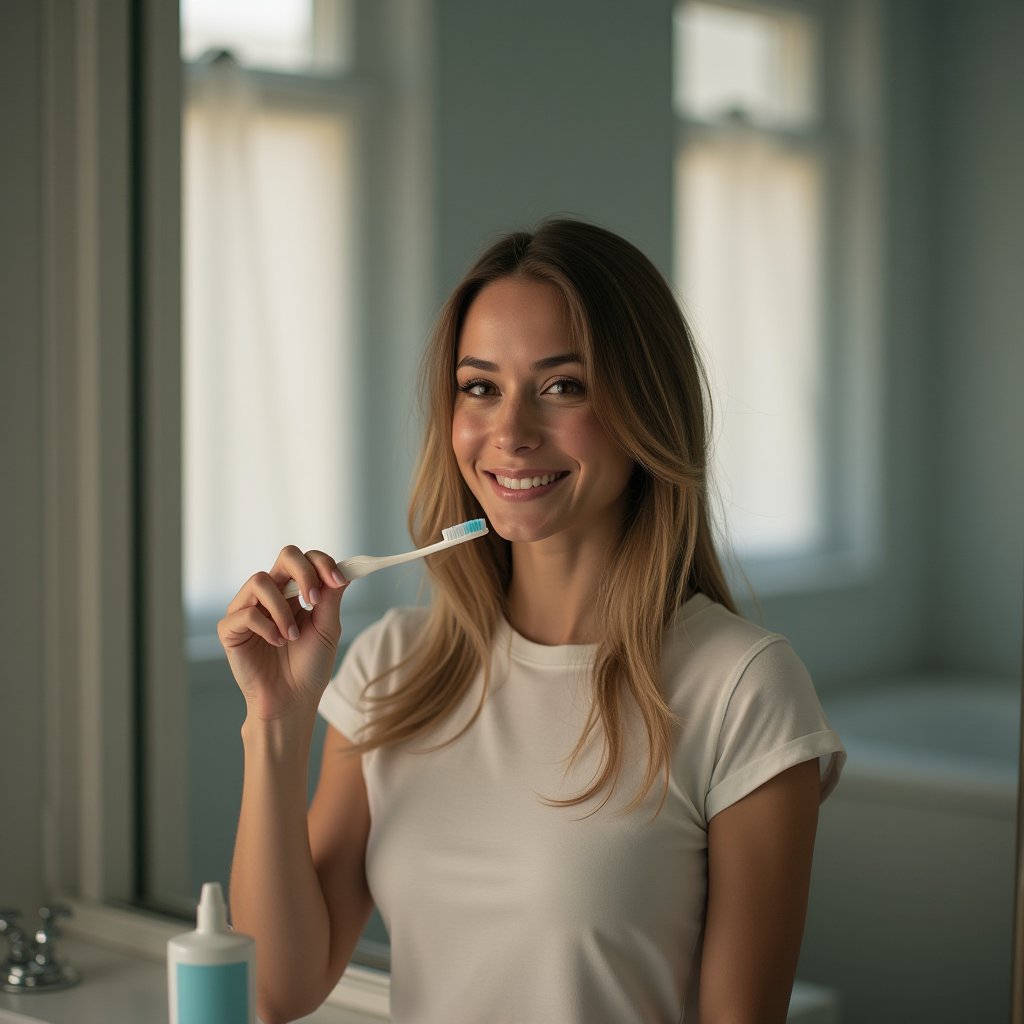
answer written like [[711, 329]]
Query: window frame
[[848, 134]]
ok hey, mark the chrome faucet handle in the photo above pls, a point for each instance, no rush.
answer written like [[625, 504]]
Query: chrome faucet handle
[[20, 952], [48, 931]]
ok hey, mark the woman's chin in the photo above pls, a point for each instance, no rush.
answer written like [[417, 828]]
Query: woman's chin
[[518, 533]]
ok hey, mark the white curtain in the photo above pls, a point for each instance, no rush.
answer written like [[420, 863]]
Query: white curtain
[[268, 322], [749, 225]]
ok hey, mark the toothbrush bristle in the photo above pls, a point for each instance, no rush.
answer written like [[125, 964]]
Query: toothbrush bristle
[[464, 529]]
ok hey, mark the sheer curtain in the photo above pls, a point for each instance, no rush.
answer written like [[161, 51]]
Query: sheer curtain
[[269, 318], [748, 237]]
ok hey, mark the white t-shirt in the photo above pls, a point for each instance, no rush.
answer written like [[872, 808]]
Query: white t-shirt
[[502, 908]]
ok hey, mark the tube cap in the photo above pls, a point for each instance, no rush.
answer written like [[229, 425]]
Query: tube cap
[[212, 914]]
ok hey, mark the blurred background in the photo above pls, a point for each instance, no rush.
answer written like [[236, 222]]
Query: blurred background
[[291, 189]]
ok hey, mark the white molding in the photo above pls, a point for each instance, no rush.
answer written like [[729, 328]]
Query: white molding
[[130, 931]]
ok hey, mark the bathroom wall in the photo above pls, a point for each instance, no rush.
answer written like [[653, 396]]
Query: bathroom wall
[[546, 108], [976, 323], [22, 737]]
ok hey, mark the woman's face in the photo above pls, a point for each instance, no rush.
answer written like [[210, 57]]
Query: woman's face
[[524, 433]]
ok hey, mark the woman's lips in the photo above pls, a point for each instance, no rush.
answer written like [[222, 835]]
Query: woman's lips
[[523, 487]]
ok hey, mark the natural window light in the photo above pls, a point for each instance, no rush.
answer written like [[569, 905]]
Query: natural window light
[[279, 35], [269, 297], [269, 215], [750, 248]]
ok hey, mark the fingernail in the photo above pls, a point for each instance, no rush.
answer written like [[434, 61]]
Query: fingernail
[[339, 579], [293, 633], [304, 603], [314, 595]]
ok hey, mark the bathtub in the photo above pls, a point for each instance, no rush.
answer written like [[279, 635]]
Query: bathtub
[[911, 911]]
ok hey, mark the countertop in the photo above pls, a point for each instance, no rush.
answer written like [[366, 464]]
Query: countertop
[[116, 987]]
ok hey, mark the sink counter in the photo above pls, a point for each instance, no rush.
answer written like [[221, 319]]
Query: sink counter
[[117, 988]]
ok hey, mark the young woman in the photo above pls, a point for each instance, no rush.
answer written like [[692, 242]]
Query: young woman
[[579, 787]]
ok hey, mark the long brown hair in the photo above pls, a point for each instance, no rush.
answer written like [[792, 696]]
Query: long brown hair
[[649, 392]]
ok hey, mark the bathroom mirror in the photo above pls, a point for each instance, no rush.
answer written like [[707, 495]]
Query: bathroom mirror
[[891, 137]]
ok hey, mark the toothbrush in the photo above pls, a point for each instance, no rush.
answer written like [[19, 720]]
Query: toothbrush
[[362, 565]]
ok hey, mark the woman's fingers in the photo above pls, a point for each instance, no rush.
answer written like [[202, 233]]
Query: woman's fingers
[[238, 627], [262, 592], [313, 571], [261, 608], [327, 569]]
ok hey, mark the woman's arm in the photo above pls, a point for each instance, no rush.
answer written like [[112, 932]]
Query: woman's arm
[[300, 895], [759, 870], [339, 828], [297, 884]]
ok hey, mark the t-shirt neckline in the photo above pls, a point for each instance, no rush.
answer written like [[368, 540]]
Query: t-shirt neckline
[[528, 651]]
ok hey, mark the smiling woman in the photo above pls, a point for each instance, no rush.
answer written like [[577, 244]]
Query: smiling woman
[[578, 773]]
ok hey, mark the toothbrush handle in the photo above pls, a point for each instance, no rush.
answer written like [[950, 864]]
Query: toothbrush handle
[[358, 566], [362, 565]]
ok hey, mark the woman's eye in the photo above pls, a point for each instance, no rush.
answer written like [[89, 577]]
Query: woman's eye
[[565, 386], [476, 388]]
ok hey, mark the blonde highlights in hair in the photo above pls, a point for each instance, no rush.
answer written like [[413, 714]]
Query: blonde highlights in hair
[[648, 391]]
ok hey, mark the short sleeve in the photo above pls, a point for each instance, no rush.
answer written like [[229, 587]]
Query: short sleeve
[[773, 721], [342, 703]]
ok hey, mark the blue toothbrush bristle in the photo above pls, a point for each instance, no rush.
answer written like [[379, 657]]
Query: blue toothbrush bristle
[[463, 529]]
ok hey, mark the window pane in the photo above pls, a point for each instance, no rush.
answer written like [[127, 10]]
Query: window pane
[[268, 336], [283, 35], [760, 64], [748, 240]]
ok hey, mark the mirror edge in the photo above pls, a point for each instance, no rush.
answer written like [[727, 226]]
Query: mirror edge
[[1017, 995]]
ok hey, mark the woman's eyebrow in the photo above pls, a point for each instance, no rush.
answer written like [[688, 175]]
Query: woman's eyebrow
[[547, 363]]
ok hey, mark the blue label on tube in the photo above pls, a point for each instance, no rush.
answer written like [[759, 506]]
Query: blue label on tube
[[217, 994]]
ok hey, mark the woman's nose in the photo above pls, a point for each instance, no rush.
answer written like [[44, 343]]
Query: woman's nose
[[517, 427]]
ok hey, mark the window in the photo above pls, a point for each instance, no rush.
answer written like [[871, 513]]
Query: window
[[760, 238], [270, 233]]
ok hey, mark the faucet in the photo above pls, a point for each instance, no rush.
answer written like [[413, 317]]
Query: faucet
[[32, 964]]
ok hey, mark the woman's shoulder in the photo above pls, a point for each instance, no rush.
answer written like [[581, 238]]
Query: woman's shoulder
[[707, 645], [704, 622]]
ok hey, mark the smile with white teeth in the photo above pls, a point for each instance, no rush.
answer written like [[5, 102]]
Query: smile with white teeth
[[526, 482]]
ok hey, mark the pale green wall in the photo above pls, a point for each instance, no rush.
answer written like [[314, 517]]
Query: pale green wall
[[976, 329], [551, 108]]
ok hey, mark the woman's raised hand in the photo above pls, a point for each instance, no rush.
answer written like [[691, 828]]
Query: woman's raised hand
[[281, 654]]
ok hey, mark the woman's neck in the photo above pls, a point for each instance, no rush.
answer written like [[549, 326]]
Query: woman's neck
[[552, 594]]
